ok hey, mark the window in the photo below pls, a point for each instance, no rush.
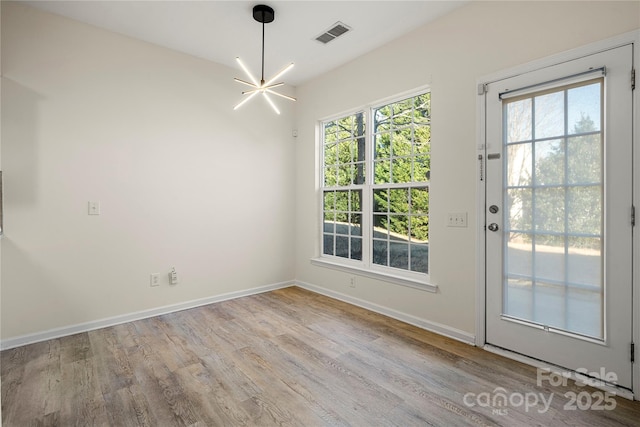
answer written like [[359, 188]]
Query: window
[[344, 169], [375, 188], [554, 207]]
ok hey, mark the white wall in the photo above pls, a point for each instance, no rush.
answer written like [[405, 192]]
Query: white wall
[[450, 55], [183, 180]]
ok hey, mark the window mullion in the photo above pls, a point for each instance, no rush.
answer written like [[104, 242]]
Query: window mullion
[[367, 198]]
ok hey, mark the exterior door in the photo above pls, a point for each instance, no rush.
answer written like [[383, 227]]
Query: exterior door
[[559, 214]]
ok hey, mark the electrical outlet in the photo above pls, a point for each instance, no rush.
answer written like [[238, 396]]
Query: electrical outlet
[[173, 276], [155, 279], [458, 219], [352, 282]]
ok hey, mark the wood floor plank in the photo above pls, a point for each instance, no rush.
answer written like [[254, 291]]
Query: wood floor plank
[[162, 390], [225, 374], [129, 407], [269, 368], [276, 372], [36, 382], [289, 357], [209, 397], [75, 347], [417, 390], [343, 378], [113, 364], [81, 396]]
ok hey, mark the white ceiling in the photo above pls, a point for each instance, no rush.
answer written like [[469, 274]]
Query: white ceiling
[[220, 31]]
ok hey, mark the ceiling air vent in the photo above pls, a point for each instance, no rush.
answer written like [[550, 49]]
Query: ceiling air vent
[[335, 31]]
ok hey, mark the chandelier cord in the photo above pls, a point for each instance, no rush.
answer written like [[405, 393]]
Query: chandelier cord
[[263, 19]]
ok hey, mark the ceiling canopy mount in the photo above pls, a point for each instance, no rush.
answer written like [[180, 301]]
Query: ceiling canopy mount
[[263, 14]]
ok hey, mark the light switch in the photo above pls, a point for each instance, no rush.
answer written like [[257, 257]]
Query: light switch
[[457, 219], [94, 208]]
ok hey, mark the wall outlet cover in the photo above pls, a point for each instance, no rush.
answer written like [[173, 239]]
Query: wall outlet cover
[[457, 219]]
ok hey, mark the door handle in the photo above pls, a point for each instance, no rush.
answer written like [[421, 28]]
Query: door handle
[[493, 227]]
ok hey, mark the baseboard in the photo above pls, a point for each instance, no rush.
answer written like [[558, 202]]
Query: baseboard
[[435, 327], [130, 317], [144, 314]]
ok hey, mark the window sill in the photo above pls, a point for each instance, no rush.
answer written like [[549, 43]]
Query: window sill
[[396, 280]]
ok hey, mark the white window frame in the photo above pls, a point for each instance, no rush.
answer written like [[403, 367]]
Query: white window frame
[[367, 267]]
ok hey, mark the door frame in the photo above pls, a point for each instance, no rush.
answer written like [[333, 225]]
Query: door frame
[[481, 155]]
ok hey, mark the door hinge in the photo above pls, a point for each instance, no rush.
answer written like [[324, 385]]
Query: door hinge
[[633, 79], [633, 352], [633, 216]]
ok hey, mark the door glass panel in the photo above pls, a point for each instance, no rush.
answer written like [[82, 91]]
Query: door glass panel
[[519, 165], [553, 196], [519, 124], [549, 115], [583, 159], [519, 209], [550, 162], [583, 108], [548, 214]]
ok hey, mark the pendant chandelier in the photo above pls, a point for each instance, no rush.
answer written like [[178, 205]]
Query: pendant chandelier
[[263, 14]]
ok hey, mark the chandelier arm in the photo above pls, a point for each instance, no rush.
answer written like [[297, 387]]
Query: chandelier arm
[[245, 100], [281, 95], [273, 85], [271, 103], [268, 89], [246, 71], [245, 82], [280, 73]]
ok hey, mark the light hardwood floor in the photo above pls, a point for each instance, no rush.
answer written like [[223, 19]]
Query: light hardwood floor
[[288, 357]]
